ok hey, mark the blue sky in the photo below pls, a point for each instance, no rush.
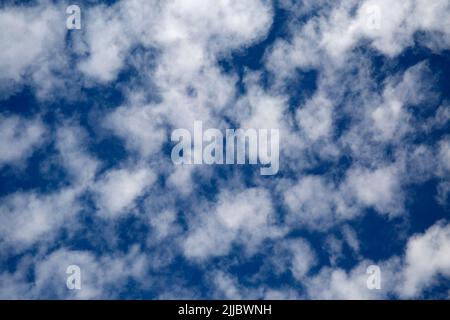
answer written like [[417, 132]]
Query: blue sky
[[359, 91]]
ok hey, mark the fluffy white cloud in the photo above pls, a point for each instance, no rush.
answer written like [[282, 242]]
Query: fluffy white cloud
[[188, 32], [444, 154], [227, 286], [379, 189], [163, 223], [172, 50], [140, 127], [303, 258], [332, 284], [427, 256], [317, 203], [258, 108], [80, 165], [30, 217], [19, 137], [35, 51], [238, 218], [118, 189], [351, 238], [32, 34], [443, 172], [102, 277], [315, 118], [311, 202], [108, 44], [389, 28], [26, 218]]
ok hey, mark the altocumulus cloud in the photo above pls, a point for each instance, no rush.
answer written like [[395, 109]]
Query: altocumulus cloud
[[359, 91]]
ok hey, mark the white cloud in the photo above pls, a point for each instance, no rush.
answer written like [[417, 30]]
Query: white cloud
[[188, 32], [102, 277], [443, 172], [19, 137], [32, 34], [26, 218], [311, 203], [140, 127], [444, 154], [174, 48], [107, 41], [303, 258], [164, 223], [316, 202], [329, 36], [118, 189], [332, 284], [35, 51], [237, 218], [81, 166], [315, 118], [351, 238], [30, 217], [258, 108], [379, 189], [427, 256], [227, 286], [391, 119]]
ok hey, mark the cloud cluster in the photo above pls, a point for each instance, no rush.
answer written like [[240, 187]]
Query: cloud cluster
[[360, 126]]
